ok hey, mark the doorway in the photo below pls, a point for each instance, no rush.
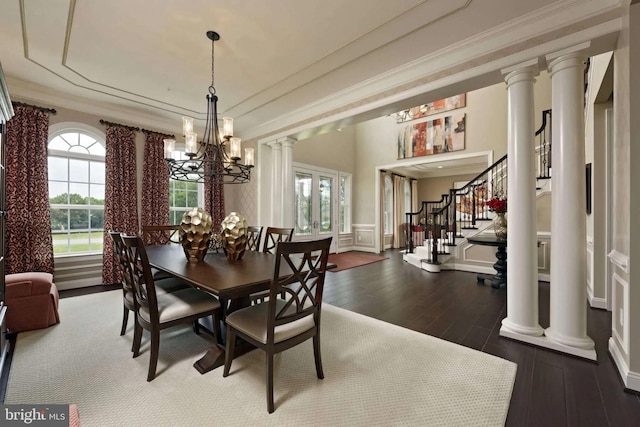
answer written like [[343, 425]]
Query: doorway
[[315, 205]]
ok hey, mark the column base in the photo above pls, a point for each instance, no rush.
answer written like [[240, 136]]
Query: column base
[[581, 343], [545, 342], [509, 326]]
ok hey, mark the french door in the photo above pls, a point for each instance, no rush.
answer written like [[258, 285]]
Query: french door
[[316, 205]]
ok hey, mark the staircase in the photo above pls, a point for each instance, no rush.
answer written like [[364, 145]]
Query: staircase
[[439, 226]]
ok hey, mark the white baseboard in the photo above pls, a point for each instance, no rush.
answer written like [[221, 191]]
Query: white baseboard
[[365, 249], [630, 379]]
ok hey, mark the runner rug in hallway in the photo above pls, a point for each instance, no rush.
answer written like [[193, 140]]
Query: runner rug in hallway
[[345, 260], [376, 374]]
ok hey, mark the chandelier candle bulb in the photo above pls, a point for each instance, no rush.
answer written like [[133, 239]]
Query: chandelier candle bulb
[[227, 127], [248, 157], [190, 143], [169, 148], [235, 148], [187, 125]]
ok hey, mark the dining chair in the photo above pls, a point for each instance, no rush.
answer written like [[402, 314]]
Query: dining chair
[[275, 235], [160, 234], [276, 325], [157, 311], [272, 237], [254, 237], [128, 291], [155, 235]]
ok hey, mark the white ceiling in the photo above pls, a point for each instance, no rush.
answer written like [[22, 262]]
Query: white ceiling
[[286, 66]]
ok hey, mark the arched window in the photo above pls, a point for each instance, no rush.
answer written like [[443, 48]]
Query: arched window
[[76, 189], [388, 205]]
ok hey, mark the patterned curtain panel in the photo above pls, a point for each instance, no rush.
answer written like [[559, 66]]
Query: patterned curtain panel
[[214, 202], [29, 244], [155, 181], [120, 203]]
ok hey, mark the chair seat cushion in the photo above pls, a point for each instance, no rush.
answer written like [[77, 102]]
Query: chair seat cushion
[[182, 303], [253, 322], [170, 285]]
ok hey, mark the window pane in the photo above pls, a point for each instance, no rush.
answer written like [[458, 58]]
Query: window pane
[[58, 143], [58, 169], [97, 172], [79, 193], [58, 192], [97, 219], [192, 199], [96, 191], [59, 219], [78, 170], [303, 208], [78, 219], [326, 204]]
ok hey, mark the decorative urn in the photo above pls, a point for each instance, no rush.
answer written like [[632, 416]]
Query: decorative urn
[[234, 236], [195, 232]]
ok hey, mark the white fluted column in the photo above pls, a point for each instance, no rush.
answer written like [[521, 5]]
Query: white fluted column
[[568, 311], [276, 183], [287, 195], [522, 265]]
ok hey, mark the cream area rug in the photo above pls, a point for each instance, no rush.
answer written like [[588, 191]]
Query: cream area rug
[[376, 374]]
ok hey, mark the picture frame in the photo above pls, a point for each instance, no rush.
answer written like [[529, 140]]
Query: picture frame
[[439, 135]]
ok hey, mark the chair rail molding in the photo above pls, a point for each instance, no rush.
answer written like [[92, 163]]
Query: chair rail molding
[[619, 259]]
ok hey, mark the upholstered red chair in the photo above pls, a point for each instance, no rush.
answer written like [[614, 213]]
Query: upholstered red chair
[[32, 301]]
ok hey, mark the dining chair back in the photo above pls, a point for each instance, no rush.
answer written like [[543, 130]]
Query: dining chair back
[[275, 235], [254, 237], [128, 290], [153, 235], [156, 311], [279, 324]]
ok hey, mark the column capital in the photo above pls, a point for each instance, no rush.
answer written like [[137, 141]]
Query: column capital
[[287, 141], [528, 69], [570, 57], [275, 145]]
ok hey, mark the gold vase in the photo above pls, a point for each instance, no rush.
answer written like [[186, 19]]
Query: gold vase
[[195, 232], [234, 236]]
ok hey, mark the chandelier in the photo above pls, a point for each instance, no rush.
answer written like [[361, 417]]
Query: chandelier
[[209, 159]]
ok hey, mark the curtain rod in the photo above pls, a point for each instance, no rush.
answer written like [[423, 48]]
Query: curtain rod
[[43, 109], [104, 122], [396, 174], [159, 133]]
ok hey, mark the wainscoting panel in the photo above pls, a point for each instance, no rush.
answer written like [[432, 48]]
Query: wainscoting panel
[[620, 315], [345, 242], [364, 237]]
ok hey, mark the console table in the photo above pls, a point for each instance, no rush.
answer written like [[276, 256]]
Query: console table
[[500, 278]]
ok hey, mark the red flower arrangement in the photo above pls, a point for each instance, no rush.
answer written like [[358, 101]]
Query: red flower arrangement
[[497, 205]]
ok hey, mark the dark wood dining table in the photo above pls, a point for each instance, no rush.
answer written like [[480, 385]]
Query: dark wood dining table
[[231, 282]]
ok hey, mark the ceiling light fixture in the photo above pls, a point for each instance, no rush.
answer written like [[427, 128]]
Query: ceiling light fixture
[[208, 159]]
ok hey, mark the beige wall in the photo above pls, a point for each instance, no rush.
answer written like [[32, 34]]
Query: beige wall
[[432, 189], [334, 150]]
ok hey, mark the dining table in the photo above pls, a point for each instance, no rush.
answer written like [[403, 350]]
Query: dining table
[[231, 282]]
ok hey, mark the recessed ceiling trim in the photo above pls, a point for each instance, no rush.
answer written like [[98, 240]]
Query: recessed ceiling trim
[[28, 57]]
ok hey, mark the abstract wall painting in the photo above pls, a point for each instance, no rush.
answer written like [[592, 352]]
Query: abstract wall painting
[[441, 135], [435, 107]]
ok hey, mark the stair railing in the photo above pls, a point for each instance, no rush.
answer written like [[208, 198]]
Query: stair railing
[[442, 221]]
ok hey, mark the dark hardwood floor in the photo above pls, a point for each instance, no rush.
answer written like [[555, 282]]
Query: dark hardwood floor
[[551, 389]]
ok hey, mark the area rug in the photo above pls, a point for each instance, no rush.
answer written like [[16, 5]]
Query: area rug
[[376, 374], [352, 259]]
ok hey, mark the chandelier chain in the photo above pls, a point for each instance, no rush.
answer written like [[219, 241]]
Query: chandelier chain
[[212, 89]]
